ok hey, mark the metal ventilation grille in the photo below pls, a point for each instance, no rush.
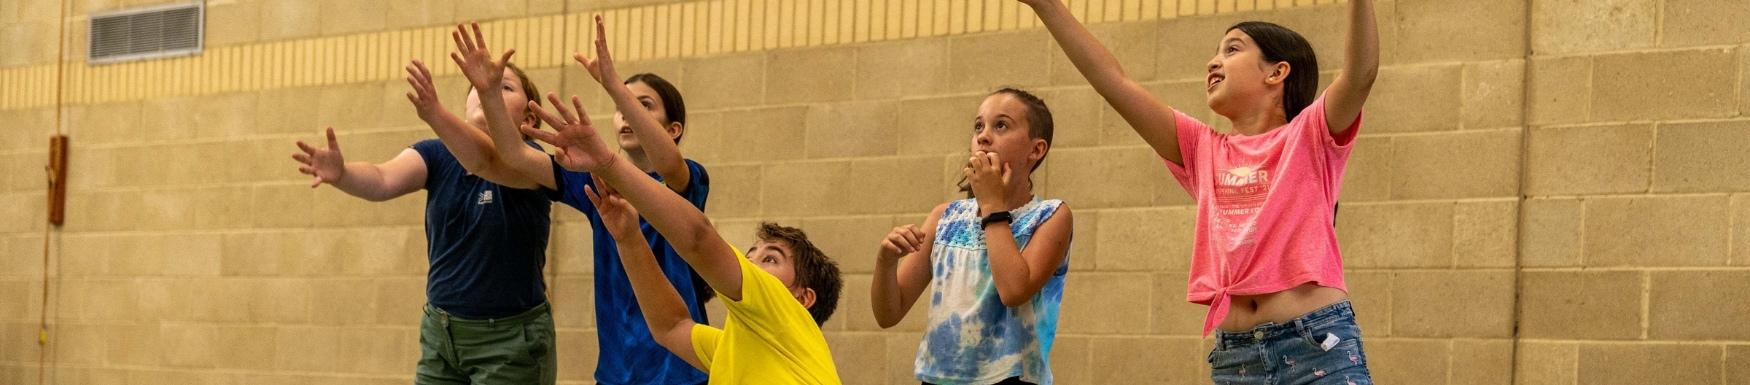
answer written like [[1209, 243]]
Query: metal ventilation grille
[[145, 33]]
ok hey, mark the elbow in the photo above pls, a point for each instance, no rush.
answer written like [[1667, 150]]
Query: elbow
[[1012, 297], [379, 195], [885, 321], [480, 166], [665, 336]]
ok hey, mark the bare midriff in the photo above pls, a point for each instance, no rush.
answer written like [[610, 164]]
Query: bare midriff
[[1249, 311]]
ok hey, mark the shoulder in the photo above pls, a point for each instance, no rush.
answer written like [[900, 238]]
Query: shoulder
[[1042, 213], [1313, 115], [1054, 208], [944, 207], [696, 172]]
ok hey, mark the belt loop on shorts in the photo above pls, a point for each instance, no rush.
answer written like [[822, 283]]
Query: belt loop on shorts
[[1301, 329]]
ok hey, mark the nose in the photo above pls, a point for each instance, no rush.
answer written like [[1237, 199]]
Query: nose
[[1214, 63]]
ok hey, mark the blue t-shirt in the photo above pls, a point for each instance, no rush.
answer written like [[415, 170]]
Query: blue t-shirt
[[628, 354], [486, 242]]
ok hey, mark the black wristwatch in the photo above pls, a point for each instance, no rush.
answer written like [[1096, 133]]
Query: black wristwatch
[[1000, 216]]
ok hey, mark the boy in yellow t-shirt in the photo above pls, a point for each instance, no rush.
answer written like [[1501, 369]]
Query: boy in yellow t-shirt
[[777, 294]]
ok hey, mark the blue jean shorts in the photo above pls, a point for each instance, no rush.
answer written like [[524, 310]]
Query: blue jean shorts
[[1320, 348]]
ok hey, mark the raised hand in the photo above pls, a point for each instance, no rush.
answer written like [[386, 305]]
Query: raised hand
[[903, 240], [603, 66], [325, 164], [990, 179], [424, 95], [618, 216], [576, 144], [476, 60]]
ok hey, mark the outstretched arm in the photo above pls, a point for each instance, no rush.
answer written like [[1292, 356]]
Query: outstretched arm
[[658, 144], [401, 175], [579, 147], [1361, 54], [1151, 118], [489, 82], [471, 147], [664, 310]]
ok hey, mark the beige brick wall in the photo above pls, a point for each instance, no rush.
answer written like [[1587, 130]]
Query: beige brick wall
[[1545, 192], [1634, 194]]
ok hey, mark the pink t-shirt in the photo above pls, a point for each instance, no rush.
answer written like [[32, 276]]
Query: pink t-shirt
[[1264, 208]]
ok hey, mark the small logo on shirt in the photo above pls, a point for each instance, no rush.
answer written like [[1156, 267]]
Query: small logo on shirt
[[485, 198], [1244, 175]]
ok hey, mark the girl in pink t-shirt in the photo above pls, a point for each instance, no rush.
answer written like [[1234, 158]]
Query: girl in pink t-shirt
[[1265, 259]]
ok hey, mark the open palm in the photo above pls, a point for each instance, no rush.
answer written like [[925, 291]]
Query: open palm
[[602, 67], [476, 60], [577, 145], [424, 96], [325, 164]]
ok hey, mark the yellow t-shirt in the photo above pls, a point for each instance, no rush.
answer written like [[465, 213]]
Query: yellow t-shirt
[[769, 338]]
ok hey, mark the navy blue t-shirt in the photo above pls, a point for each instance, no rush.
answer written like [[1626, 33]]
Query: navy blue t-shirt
[[628, 354], [487, 243]]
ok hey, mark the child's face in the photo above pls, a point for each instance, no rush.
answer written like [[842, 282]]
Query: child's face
[[1002, 127], [514, 102], [779, 259], [1237, 74], [652, 103]]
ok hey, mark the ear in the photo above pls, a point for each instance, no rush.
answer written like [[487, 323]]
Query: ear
[[676, 130], [1278, 73], [806, 298], [1040, 148]]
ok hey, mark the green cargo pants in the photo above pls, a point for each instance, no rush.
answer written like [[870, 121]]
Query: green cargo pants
[[511, 350]]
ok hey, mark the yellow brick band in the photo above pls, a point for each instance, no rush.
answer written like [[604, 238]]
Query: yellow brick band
[[679, 30]]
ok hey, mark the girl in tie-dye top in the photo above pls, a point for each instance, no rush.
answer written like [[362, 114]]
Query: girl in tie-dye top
[[993, 264]]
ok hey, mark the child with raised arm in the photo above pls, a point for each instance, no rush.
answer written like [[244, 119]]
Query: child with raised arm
[[487, 242], [1265, 259], [499, 153], [994, 264], [777, 294]]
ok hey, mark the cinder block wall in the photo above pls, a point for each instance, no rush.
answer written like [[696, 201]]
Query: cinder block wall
[[1545, 192], [1635, 216]]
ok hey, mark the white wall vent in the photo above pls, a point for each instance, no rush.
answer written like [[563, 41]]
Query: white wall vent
[[147, 33]]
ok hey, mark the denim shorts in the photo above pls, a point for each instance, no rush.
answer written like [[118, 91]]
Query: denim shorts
[[1320, 348]]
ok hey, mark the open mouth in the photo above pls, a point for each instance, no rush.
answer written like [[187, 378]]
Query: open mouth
[[1214, 79], [625, 130]]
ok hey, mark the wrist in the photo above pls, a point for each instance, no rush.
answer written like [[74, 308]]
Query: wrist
[[629, 235], [885, 262], [988, 209], [1001, 218]]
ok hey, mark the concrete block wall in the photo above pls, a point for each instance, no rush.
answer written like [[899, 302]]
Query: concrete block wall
[[1634, 195], [1544, 192]]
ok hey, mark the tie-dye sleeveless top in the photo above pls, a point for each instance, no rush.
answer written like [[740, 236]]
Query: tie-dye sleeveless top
[[972, 338]]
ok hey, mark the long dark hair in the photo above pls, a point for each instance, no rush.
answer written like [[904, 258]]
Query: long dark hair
[[673, 106], [1280, 44]]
